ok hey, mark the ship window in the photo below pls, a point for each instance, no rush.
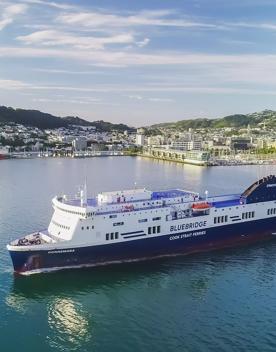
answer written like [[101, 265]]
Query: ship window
[[116, 235], [112, 236], [82, 227], [113, 216], [142, 220], [87, 227], [215, 220], [253, 214], [154, 229], [158, 229], [149, 230], [107, 236], [157, 218], [118, 224], [218, 219], [226, 218], [92, 227]]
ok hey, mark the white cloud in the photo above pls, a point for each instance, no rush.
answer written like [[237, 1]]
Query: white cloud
[[120, 58], [135, 97], [98, 19], [253, 25], [118, 88], [69, 72], [68, 100], [10, 84], [57, 38], [165, 100], [61, 6], [9, 13], [143, 43]]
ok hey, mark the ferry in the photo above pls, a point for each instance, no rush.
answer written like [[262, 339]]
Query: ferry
[[140, 224]]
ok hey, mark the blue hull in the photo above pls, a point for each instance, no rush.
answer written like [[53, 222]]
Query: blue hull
[[145, 248]]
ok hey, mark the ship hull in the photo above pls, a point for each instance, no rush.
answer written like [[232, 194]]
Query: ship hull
[[144, 248]]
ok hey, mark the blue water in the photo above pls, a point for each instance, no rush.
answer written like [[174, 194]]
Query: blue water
[[219, 301]]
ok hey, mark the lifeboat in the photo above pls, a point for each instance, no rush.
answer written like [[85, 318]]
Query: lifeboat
[[196, 207]]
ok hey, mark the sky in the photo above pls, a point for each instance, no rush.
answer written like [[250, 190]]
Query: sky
[[138, 62]]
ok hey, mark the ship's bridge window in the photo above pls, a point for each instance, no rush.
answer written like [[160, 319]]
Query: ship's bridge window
[[113, 216], [142, 220], [60, 225], [157, 218]]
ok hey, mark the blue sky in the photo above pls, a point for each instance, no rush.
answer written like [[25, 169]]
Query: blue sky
[[138, 62]]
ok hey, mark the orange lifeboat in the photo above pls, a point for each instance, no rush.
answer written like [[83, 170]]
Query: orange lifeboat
[[201, 206]]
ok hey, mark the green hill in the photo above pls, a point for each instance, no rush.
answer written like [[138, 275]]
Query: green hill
[[237, 121], [43, 120]]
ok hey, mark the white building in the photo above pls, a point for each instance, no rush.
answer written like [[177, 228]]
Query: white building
[[188, 142], [140, 139], [79, 143]]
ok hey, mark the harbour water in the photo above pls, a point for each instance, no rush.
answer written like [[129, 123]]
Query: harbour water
[[218, 301]]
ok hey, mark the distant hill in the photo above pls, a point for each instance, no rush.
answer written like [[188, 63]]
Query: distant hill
[[237, 121], [43, 120]]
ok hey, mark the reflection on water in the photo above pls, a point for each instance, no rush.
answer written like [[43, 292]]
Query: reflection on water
[[69, 324], [17, 302], [99, 308]]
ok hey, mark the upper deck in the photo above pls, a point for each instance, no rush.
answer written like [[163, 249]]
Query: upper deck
[[126, 198], [142, 199]]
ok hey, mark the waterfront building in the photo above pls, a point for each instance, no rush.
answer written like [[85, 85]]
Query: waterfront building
[[195, 157], [79, 143], [140, 139]]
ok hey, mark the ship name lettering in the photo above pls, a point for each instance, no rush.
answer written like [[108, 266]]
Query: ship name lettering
[[187, 235], [191, 225]]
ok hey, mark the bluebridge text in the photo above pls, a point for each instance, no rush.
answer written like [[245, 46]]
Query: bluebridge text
[[191, 225]]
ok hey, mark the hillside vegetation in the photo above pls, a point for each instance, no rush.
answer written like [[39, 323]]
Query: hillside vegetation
[[43, 120], [237, 121]]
